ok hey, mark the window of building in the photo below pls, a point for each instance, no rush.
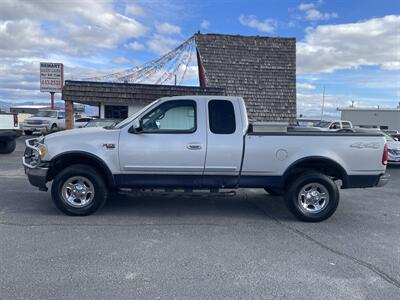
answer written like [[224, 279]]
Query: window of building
[[115, 111], [221, 117], [177, 116]]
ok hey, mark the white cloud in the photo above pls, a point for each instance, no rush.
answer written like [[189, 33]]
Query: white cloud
[[120, 60], [25, 37], [305, 86], [167, 28], [134, 10], [79, 27], [136, 46], [161, 44], [266, 25], [313, 14], [204, 24], [306, 6], [316, 15], [310, 105], [328, 48]]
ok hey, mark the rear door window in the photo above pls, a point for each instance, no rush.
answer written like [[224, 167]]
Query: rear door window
[[221, 117]]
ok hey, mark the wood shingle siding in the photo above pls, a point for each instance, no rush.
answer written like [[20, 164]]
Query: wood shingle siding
[[260, 69]]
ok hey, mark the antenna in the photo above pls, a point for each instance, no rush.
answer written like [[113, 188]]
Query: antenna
[[323, 103]]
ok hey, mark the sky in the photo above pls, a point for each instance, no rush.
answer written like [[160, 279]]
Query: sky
[[349, 48]]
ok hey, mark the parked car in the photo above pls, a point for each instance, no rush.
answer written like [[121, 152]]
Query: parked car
[[393, 149], [9, 131], [82, 121], [334, 125], [393, 133], [102, 122], [44, 121], [204, 142]]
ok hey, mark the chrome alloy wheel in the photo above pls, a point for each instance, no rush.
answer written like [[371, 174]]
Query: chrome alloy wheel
[[78, 191], [313, 197]]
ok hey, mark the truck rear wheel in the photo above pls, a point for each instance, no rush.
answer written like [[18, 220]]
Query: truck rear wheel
[[7, 146], [79, 190], [313, 197]]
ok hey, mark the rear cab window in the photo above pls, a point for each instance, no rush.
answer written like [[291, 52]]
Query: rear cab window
[[221, 117]]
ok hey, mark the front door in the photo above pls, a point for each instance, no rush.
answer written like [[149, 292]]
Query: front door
[[169, 151]]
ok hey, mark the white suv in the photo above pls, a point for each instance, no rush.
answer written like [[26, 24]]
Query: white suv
[[44, 121]]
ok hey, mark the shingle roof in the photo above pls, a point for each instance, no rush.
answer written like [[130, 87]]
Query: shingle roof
[[92, 93], [260, 69]]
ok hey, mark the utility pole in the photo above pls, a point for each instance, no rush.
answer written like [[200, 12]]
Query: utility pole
[[323, 103]]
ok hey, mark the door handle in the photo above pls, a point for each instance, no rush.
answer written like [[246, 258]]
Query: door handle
[[194, 146]]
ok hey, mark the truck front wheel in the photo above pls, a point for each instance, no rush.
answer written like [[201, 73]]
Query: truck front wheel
[[7, 146], [313, 197], [79, 190]]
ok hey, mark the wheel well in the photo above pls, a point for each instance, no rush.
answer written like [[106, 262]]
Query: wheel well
[[68, 159], [318, 164]]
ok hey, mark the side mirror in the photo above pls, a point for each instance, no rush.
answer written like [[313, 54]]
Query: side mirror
[[136, 127], [396, 139]]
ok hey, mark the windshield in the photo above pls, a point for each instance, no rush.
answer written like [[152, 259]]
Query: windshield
[[323, 124], [135, 115], [47, 114]]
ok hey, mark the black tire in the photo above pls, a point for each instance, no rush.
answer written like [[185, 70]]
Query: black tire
[[53, 127], [7, 146], [28, 132], [92, 175], [274, 191], [300, 208]]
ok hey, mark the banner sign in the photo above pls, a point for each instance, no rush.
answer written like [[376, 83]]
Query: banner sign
[[51, 77]]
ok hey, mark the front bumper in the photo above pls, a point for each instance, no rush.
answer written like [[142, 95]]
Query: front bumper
[[35, 127], [36, 170], [38, 177]]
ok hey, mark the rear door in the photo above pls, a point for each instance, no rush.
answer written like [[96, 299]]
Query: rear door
[[225, 142]]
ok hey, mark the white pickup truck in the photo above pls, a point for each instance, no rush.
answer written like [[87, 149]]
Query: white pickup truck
[[9, 131], [44, 121], [203, 142]]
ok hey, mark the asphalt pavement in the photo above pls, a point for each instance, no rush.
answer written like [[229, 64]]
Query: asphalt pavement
[[157, 245]]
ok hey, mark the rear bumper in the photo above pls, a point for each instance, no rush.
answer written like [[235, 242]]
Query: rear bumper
[[6, 135], [383, 180], [365, 181]]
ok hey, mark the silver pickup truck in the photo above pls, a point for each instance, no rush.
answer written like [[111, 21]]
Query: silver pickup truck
[[204, 142]]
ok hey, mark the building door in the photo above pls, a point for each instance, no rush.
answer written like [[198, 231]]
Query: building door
[[170, 150], [115, 111]]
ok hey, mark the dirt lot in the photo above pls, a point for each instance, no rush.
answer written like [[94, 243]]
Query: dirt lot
[[164, 246]]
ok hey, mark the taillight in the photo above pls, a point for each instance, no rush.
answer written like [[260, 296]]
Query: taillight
[[15, 120], [385, 155]]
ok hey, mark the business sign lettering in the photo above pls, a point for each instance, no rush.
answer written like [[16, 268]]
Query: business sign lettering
[[51, 77]]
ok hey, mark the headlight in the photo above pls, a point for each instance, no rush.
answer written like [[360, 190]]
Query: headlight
[[46, 122]]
